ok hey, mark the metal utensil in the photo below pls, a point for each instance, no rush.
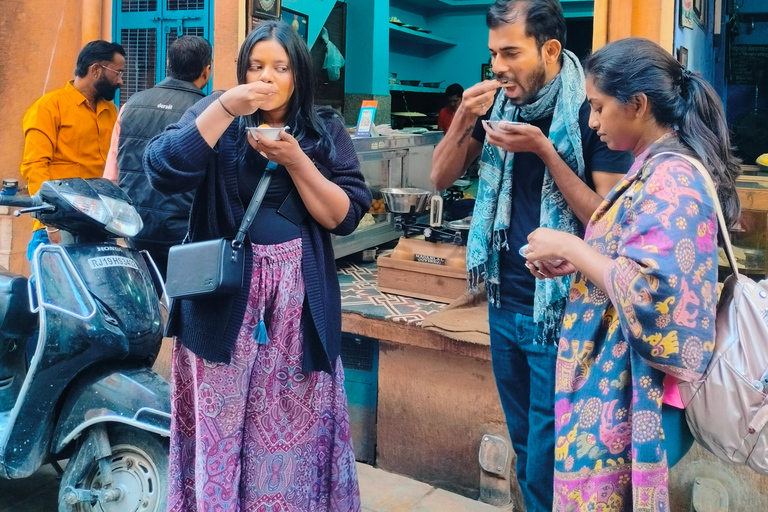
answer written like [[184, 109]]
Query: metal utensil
[[405, 200]]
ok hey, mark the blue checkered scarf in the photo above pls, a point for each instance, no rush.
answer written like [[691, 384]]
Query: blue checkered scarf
[[562, 99]]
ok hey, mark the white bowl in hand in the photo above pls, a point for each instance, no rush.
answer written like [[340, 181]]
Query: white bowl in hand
[[524, 249], [266, 132], [500, 125]]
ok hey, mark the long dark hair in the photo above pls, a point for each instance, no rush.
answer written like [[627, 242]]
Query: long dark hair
[[678, 99], [305, 120]]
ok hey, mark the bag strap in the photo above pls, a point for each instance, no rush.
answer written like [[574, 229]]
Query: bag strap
[[720, 217], [253, 206]]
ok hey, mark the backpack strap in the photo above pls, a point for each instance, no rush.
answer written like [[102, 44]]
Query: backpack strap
[[720, 217]]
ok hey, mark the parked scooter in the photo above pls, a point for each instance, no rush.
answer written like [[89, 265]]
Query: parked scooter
[[88, 394]]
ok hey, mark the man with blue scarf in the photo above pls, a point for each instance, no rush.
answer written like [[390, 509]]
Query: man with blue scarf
[[551, 171]]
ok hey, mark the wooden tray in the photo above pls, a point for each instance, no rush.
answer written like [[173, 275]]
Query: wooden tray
[[399, 274]]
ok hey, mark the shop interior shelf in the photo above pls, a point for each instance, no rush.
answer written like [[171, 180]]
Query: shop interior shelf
[[415, 37], [409, 88]]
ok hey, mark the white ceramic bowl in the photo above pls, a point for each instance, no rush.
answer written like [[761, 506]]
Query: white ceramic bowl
[[266, 132], [495, 125]]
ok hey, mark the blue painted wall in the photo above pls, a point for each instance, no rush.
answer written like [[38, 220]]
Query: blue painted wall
[[367, 52], [461, 63], [458, 64], [317, 12], [698, 41]]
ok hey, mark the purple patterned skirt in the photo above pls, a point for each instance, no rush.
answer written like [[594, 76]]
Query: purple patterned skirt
[[258, 434]]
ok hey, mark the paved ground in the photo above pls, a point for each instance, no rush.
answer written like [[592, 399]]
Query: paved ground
[[386, 492], [380, 492], [37, 493]]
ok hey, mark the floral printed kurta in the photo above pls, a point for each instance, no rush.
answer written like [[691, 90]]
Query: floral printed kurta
[[659, 227]]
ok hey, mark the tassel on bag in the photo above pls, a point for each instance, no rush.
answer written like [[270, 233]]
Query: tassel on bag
[[260, 333]]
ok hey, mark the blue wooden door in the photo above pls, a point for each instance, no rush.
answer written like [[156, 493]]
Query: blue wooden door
[[146, 28]]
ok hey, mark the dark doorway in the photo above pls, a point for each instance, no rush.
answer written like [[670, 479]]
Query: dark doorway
[[579, 36]]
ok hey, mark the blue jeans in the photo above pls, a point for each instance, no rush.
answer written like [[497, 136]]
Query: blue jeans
[[39, 237], [677, 436], [525, 377]]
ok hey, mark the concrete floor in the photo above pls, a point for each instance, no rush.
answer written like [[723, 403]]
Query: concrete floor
[[37, 493], [380, 492]]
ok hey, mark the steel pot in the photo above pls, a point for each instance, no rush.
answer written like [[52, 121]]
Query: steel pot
[[405, 200]]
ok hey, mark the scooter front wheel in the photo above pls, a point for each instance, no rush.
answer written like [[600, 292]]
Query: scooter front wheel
[[139, 467]]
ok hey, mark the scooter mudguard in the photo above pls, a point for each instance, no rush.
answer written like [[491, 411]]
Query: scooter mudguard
[[135, 396]]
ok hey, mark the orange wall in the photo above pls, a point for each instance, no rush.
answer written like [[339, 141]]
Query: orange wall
[[228, 33], [39, 44], [617, 19]]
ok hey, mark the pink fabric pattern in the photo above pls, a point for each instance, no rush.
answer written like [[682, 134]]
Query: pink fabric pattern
[[258, 434]]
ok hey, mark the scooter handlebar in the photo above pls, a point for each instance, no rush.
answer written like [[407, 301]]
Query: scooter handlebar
[[20, 201]]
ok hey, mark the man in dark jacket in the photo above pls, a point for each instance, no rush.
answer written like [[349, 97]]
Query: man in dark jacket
[[145, 115]]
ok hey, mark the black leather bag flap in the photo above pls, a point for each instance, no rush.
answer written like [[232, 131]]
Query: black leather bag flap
[[212, 267]]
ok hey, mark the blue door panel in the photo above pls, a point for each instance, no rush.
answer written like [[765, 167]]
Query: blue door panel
[[146, 28]]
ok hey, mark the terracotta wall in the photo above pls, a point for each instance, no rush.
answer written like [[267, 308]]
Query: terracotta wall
[[39, 44], [228, 34], [433, 409], [617, 19]]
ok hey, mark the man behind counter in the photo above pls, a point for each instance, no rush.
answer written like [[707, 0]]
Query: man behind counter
[[552, 171], [453, 93]]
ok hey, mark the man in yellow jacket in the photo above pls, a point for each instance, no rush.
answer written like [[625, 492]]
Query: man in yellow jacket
[[67, 132]]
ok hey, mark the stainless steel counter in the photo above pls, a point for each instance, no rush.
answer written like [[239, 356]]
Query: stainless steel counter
[[402, 161], [366, 144]]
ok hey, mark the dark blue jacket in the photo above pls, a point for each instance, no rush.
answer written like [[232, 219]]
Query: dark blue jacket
[[179, 160]]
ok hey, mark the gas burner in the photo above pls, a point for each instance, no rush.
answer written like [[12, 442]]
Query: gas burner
[[411, 227]]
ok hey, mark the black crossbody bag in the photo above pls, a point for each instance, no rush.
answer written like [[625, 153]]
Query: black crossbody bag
[[214, 267]]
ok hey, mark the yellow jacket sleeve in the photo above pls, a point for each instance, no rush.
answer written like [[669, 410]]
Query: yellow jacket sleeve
[[40, 131]]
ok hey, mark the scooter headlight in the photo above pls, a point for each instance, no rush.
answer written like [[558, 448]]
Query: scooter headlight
[[117, 216], [125, 221], [90, 206]]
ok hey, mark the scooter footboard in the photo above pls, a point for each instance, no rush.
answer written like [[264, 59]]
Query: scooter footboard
[[133, 396]]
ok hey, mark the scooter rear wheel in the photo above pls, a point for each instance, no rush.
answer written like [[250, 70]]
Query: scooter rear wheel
[[139, 464]]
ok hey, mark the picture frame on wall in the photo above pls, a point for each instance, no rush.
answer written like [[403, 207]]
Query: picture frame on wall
[[299, 21], [255, 22], [699, 12], [686, 13], [682, 56], [265, 9]]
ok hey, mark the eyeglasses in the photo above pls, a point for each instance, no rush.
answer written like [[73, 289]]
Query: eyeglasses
[[118, 73]]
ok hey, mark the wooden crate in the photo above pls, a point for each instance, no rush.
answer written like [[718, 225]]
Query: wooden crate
[[399, 274]]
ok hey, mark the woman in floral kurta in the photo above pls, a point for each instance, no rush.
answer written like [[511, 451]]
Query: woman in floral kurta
[[643, 300]]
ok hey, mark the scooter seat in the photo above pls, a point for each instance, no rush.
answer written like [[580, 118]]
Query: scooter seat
[[17, 322]]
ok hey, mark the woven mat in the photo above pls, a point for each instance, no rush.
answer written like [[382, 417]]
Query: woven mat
[[359, 295]]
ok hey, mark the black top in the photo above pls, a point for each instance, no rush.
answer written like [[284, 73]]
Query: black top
[[517, 285], [268, 227], [179, 159]]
